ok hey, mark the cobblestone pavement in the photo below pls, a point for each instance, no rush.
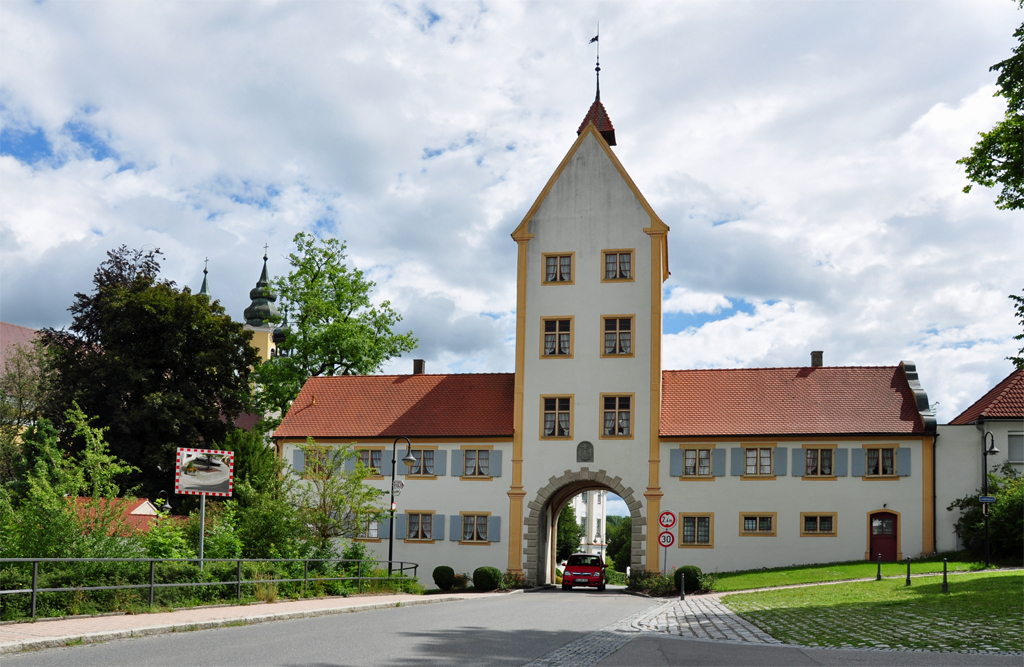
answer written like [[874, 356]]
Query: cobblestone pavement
[[596, 646], [702, 617]]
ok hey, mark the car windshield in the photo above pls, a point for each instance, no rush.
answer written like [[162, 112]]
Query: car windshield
[[591, 561]]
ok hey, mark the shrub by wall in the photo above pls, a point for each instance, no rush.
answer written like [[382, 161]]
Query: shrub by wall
[[688, 576], [486, 578], [444, 577]]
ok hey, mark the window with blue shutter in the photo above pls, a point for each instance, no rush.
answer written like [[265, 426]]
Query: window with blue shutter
[[903, 461], [675, 463], [842, 456], [718, 463], [455, 528], [441, 462], [779, 463], [438, 526], [494, 529], [496, 463], [456, 463], [857, 462], [299, 460], [736, 459]]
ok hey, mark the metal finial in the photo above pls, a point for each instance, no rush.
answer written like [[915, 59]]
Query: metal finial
[[597, 68], [265, 246], [206, 266]]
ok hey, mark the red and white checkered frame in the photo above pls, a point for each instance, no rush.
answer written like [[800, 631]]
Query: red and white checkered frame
[[229, 457]]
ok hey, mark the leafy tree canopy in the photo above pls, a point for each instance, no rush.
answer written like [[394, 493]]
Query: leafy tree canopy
[[570, 532], [1018, 302], [999, 156], [332, 327], [159, 367]]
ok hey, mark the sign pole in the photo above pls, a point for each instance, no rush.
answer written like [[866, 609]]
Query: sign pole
[[202, 528]]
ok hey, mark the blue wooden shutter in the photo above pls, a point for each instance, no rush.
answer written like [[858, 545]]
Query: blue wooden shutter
[[455, 534], [675, 463], [350, 464], [438, 525], [299, 460], [384, 528], [799, 463], [858, 463], [839, 462], [779, 458], [736, 456], [385, 464], [494, 529], [401, 529], [441, 462], [718, 463], [903, 461], [496, 463], [457, 463]]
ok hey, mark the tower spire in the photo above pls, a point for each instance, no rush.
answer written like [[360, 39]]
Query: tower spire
[[205, 290], [597, 67], [262, 307], [597, 114]]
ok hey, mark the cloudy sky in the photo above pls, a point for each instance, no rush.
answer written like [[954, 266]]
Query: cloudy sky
[[804, 154]]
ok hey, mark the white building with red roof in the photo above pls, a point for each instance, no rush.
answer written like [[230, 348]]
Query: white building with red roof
[[735, 468]]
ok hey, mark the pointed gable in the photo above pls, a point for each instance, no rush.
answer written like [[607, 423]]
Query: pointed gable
[[1004, 401]]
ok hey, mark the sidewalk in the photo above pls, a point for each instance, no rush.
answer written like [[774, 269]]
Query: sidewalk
[[16, 637]]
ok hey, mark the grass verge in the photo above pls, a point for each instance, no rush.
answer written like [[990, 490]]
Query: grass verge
[[857, 569], [982, 612]]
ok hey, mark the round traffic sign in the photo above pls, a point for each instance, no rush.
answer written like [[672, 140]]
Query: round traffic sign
[[667, 519], [666, 539]]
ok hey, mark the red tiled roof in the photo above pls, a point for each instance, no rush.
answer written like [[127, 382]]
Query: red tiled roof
[[13, 334], [1004, 401], [599, 117], [366, 406], [781, 401], [130, 520]]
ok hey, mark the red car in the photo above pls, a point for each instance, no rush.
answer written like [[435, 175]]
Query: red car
[[584, 570]]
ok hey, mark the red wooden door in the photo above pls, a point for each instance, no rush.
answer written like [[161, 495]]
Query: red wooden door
[[883, 536]]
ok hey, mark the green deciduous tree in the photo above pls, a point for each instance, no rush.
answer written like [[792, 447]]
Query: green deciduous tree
[[1018, 301], [1006, 517], [333, 328], [620, 541], [569, 533], [22, 388], [160, 367], [998, 158]]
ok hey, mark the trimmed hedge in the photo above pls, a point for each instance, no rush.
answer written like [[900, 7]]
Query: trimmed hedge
[[689, 576], [444, 577], [486, 578]]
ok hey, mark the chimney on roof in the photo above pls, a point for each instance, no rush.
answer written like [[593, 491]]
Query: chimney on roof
[[419, 366], [816, 358]]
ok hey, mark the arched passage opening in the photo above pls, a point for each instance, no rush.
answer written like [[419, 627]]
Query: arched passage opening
[[542, 520]]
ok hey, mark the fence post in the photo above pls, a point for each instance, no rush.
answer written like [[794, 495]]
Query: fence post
[[359, 576], [908, 570], [152, 580], [35, 581], [878, 577], [305, 576], [945, 584], [238, 580]]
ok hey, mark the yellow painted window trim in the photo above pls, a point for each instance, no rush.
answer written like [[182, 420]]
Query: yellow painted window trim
[[475, 542], [632, 329], [476, 448], [775, 524], [420, 476], [835, 524], [632, 416], [572, 416], [415, 540], [762, 445], [367, 539], [632, 264], [711, 530], [572, 336], [710, 477], [820, 478], [895, 464], [544, 268]]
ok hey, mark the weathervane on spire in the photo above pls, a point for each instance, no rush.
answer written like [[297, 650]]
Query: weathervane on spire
[[597, 69], [265, 246]]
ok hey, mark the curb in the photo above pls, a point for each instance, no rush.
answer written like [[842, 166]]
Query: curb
[[108, 635]]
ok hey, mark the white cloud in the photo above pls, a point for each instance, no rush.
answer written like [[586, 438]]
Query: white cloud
[[803, 154]]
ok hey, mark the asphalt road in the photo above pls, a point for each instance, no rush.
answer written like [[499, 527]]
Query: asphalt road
[[500, 630]]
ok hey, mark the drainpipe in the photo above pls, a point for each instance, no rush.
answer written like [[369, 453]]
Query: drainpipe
[[935, 495]]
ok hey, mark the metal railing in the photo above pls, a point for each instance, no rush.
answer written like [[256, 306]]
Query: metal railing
[[360, 566]]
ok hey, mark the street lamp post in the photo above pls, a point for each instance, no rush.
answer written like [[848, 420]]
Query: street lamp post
[[409, 460], [986, 449]]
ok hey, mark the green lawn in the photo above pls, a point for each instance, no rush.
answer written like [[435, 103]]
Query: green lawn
[[857, 569], [983, 611]]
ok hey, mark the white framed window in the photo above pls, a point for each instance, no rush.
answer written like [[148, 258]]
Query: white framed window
[[1015, 448]]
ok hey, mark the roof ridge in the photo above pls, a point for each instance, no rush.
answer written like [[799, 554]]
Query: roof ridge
[[1013, 378], [769, 368], [408, 375]]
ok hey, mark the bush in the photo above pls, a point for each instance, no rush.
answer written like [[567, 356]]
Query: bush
[[1006, 517], [486, 578], [514, 580], [461, 582], [444, 577], [651, 583], [708, 581], [688, 576]]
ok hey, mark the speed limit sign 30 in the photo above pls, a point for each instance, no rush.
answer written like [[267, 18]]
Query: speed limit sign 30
[[666, 539]]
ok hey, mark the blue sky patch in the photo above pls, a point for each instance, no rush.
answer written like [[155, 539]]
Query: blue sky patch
[[676, 322], [85, 136], [27, 146]]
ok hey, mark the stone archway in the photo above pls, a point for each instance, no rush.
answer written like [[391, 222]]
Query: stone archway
[[549, 501]]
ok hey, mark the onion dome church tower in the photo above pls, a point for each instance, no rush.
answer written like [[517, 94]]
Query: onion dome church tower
[[259, 312]]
